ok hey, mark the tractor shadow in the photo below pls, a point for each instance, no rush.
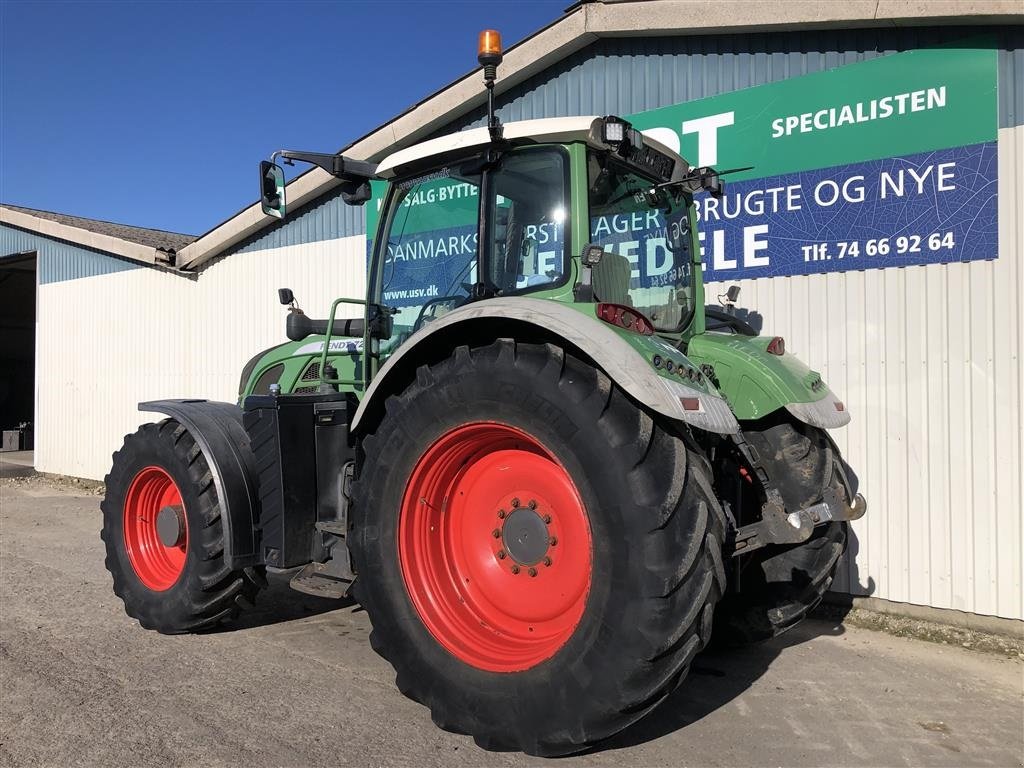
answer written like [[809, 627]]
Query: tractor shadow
[[717, 677], [279, 603]]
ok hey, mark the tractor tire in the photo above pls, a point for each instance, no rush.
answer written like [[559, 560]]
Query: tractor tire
[[160, 485], [776, 587], [540, 557]]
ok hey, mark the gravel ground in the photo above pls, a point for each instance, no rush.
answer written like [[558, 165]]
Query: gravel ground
[[297, 684]]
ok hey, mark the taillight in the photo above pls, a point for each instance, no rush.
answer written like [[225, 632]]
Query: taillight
[[625, 317], [777, 346]]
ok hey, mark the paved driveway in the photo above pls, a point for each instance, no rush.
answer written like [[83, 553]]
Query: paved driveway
[[297, 683]]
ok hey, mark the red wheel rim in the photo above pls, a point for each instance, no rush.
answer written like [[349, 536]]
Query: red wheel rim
[[501, 592], [157, 565]]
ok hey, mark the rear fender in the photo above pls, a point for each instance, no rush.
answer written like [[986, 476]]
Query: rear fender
[[218, 431], [626, 357], [757, 382]]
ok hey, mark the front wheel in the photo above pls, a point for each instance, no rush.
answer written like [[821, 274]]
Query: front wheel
[[773, 589], [164, 535], [539, 557]]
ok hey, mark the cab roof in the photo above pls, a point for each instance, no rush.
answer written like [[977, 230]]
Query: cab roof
[[555, 130]]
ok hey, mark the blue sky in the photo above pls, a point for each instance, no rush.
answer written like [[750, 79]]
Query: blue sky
[[157, 113]]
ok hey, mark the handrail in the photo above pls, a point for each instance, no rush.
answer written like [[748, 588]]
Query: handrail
[[327, 346]]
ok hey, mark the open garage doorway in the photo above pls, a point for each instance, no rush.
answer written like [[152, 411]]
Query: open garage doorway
[[17, 355]]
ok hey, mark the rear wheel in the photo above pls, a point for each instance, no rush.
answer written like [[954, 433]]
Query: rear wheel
[[164, 536], [539, 557], [772, 589]]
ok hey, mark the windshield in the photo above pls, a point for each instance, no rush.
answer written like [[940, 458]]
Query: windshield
[[642, 267], [429, 255], [431, 245]]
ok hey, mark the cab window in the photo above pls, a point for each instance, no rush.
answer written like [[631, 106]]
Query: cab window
[[430, 247], [641, 267], [529, 205]]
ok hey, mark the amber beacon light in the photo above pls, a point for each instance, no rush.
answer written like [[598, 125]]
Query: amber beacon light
[[489, 48]]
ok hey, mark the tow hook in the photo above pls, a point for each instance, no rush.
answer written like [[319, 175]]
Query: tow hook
[[780, 527]]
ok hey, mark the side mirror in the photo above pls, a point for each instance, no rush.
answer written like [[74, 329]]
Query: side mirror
[[733, 293], [272, 189]]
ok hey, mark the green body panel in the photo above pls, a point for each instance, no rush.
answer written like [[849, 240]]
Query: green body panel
[[754, 381], [296, 357]]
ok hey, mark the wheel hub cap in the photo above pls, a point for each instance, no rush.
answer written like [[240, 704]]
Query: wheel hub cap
[[525, 537], [170, 525]]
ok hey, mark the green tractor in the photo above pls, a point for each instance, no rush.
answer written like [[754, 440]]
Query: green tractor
[[543, 468]]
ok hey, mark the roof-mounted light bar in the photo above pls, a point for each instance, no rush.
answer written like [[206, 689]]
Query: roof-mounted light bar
[[618, 133]]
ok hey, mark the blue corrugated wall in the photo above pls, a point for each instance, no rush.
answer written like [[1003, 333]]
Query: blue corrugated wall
[[626, 75], [632, 74], [324, 219], [59, 260]]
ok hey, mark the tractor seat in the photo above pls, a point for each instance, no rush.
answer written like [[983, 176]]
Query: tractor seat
[[611, 279]]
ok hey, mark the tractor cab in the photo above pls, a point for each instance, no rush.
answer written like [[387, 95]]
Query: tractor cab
[[582, 210]]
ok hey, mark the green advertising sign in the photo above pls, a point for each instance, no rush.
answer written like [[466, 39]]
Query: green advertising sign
[[892, 105], [883, 163]]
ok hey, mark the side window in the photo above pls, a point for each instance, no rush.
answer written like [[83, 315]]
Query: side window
[[431, 249], [639, 268], [531, 205]]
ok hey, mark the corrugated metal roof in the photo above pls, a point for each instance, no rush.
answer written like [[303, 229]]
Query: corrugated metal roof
[[152, 238]]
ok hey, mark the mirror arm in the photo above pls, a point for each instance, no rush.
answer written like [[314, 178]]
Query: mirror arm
[[339, 166]]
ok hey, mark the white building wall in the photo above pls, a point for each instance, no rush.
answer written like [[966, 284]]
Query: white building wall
[[927, 358], [928, 361], [105, 343]]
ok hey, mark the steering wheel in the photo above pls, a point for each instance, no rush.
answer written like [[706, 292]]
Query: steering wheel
[[716, 319], [421, 318]]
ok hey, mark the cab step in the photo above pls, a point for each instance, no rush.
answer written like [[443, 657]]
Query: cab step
[[337, 527], [332, 579]]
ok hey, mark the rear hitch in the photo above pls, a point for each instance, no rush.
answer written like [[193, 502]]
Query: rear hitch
[[780, 527]]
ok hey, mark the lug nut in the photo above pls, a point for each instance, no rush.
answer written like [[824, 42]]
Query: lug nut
[[546, 519], [553, 541], [532, 571], [515, 569], [515, 503], [501, 554], [532, 504], [496, 533], [501, 514], [547, 561]]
